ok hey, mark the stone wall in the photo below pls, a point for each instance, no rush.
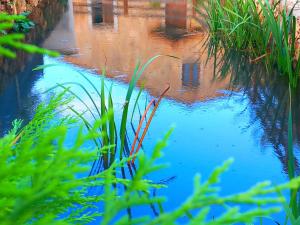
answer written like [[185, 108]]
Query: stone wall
[[45, 15], [18, 6]]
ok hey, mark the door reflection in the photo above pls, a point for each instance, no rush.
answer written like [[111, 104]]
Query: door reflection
[[108, 11]]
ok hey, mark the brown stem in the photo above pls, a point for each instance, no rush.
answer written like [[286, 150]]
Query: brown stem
[[149, 121]]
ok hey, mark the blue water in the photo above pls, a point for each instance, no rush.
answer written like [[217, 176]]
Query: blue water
[[212, 122], [206, 133]]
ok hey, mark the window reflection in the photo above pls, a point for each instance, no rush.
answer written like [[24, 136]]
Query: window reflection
[[190, 74], [102, 11], [97, 16]]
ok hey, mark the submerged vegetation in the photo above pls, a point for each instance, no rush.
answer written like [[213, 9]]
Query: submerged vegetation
[[263, 31]]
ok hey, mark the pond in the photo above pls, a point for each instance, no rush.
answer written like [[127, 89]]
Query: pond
[[243, 116]]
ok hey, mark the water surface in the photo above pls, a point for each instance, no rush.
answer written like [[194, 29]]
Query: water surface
[[240, 116]]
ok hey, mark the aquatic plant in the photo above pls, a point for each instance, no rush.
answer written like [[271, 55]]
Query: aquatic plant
[[263, 31], [10, 39], [102, 104], [292, 209], [283, 45], [45, 182]]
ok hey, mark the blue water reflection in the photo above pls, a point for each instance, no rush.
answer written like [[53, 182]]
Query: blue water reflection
[[212, 123], [206, 134]]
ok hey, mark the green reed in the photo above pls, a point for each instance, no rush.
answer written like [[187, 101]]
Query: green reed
[[114, 137], [292, 209], [263, 31]]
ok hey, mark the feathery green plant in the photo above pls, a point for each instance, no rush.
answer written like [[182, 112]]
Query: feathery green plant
[[45, 182], [40, 176]]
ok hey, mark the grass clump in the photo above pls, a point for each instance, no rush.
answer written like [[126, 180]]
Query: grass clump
[[115, 129], [265, 32]]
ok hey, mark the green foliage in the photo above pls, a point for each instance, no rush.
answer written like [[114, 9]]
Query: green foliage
[[262, 31], [23, 25], [11, 40], [39, 173]]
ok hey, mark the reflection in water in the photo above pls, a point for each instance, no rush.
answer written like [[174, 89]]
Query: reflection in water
[[62, 38], [102, 11], [108, 11], [125, 6], [97, 16], [269, 104], [175, 20], [17, 99], [200, 141], [116, 33], [176, 14], [275, 107], [134, 36]]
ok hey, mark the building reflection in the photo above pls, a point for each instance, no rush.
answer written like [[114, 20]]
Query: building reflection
[[176, 19], [135, 36], [180, 20], [102, 11], [125, 7], [108, 11]]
